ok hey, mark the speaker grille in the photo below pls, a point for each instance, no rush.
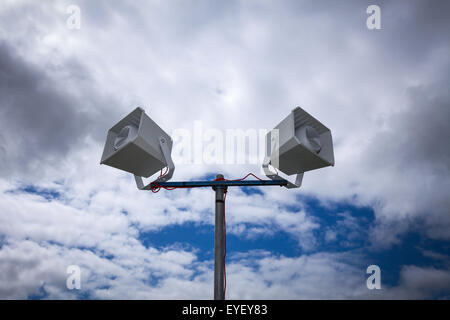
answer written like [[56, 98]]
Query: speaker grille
[[301, 118]]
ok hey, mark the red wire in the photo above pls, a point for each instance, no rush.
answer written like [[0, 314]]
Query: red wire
[[155, 187], [249, 174]]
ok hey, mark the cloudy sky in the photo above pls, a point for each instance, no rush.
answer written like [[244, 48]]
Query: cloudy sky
[[225, 65]]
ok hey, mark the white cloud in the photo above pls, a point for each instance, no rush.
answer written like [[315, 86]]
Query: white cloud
[[240, 65]]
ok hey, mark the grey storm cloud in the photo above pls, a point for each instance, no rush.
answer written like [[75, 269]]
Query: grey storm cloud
[[419, 134], [410, 161], [257, 58], [41, 120]]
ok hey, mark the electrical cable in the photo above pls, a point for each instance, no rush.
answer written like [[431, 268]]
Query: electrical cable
[[249, 174]]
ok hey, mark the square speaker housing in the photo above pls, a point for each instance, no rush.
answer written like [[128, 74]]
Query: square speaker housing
[[302, 144], [133, 145]]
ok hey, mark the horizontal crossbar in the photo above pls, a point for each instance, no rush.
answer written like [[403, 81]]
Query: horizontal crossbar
[[223, 183]]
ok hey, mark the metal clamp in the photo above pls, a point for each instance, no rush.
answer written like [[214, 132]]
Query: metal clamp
[[168, 160], [275, 176]]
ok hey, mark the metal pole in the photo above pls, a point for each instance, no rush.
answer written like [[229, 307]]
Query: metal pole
[[219, 240]]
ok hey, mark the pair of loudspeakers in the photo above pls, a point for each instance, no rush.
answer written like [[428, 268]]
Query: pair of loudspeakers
[[299, 143]]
